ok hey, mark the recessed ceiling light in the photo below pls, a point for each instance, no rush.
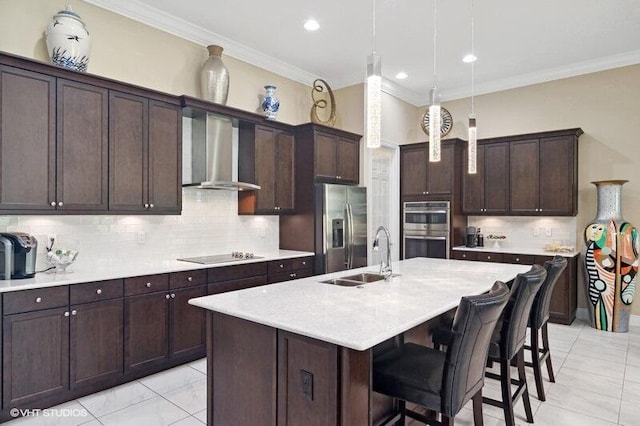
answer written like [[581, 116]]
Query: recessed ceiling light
[[311, 25], [401, 75], [469, 58]]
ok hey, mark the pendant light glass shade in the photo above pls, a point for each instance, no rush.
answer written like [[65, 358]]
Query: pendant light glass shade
[[472, 150], [374, 100], [435, 123]]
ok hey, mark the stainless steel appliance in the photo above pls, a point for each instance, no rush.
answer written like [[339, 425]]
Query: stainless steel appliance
[[472, 236], [221, 258], [17, 255], [426, 229], [341, 227]]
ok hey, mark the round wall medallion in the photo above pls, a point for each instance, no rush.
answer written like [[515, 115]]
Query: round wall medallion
[[445, 118]]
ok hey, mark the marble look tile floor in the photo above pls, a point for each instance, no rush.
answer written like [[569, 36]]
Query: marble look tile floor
[[597, 384]]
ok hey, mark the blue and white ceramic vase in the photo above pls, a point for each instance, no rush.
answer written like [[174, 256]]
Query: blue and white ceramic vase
[[270, 104], [68, 41]]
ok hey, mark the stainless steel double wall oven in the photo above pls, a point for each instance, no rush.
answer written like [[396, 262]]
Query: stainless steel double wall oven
[[426, 229]]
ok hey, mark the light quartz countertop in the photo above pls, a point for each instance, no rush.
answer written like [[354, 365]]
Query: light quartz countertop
[[131, 268], [360, 318], [518, 250]]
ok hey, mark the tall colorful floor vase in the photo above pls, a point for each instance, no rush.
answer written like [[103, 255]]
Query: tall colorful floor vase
[[611, 261]]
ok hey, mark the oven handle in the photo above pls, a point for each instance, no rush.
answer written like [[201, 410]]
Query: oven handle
[[425, 211], [425, 237]]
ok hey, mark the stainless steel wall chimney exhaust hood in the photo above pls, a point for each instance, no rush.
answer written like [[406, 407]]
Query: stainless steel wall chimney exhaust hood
[[210, 154]]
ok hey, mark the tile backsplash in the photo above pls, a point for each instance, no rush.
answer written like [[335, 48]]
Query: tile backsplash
[[209, 224], [528, 232]]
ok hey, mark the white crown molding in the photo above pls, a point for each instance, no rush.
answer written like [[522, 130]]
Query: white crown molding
[[155, 18], [580, 68]]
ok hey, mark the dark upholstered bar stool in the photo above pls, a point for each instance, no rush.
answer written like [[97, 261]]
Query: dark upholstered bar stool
[[444, 382], [538, 324], [507, 343]]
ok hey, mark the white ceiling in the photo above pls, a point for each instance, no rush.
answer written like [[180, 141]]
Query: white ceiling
[[517, 42]]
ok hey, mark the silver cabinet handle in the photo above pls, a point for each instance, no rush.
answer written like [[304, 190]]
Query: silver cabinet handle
[[146, 205], [151, 206], [167, 296], [148, 285], [66, 314], [173, 296], [304, 262], [189, 278], [517, 259], [99, 291], [74, 312], [464, 255], [53, 204], [281, 266], [38, 299], [488, 257], [60, 204]]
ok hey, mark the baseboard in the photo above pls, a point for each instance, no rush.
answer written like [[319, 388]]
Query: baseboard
[[583, 314]]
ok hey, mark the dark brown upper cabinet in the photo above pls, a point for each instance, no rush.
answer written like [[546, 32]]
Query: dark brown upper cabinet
[[487, 191], [543, 175], [421, 179], [266, 158], [144, 155], [335, 153], [53, 141]]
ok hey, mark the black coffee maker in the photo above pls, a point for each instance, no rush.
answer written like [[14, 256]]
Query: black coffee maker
[[17, 255], [472, 236]]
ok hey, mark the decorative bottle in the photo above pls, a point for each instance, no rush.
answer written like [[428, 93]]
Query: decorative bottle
[[68, 41], [610, 260], [214, 77], [480, 239], [270, 104]]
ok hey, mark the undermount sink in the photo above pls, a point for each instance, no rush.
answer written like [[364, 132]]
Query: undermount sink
[[356, 280]]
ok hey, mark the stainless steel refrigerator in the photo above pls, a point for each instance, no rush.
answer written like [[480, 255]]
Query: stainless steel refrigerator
[[340, 227]]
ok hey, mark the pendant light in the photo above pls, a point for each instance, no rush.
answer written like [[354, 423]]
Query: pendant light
[[374, 92], [472, 157], [435, 120]]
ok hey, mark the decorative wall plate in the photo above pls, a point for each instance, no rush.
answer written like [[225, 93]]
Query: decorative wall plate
[[446, 120]]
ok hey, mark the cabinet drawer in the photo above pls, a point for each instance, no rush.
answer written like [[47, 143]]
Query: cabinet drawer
[[465, 255], [227, 273], [293, 275], [225, 286], [301, 263], [34, 300], [95, 292], [489, 257], [146, 284], [278, 266], [187, 278], [525, 259]]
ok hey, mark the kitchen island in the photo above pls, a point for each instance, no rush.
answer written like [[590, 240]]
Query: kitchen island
[[300, 352]]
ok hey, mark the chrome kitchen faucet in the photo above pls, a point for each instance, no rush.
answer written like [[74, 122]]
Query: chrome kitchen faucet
[[385, 267]]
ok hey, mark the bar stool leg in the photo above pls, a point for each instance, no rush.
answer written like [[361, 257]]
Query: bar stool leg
[[507, 401], [478, 419], [522, 378], [545, 347], [535, 361]]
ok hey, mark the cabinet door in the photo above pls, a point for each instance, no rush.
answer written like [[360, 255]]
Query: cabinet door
[[348, 160], [265, 168], [440, 174], [165, 158], [473, 186], [82, 147], [496, 174], [97, 333], [146, 331], [558, 176], [524, 176], [128, 152], [285, 173], [27, 140], [187, 324], [413, 170], [325, 153], [35, 356], [562, 309]]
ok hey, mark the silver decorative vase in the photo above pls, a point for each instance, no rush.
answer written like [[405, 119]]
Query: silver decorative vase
[[611, 261], [68, 41], [214, 77]]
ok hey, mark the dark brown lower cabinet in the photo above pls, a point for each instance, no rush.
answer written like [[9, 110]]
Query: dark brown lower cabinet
[[35, 357], [187, 337], [146, 331], [96, 341]]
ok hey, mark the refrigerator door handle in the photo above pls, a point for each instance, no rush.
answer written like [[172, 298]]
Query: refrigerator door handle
[[350, 236], [347, 238]]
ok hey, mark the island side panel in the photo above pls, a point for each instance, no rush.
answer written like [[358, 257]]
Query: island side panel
[[242, 372], [355, 385]]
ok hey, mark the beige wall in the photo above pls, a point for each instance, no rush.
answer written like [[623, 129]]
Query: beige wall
[[128, 51]]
